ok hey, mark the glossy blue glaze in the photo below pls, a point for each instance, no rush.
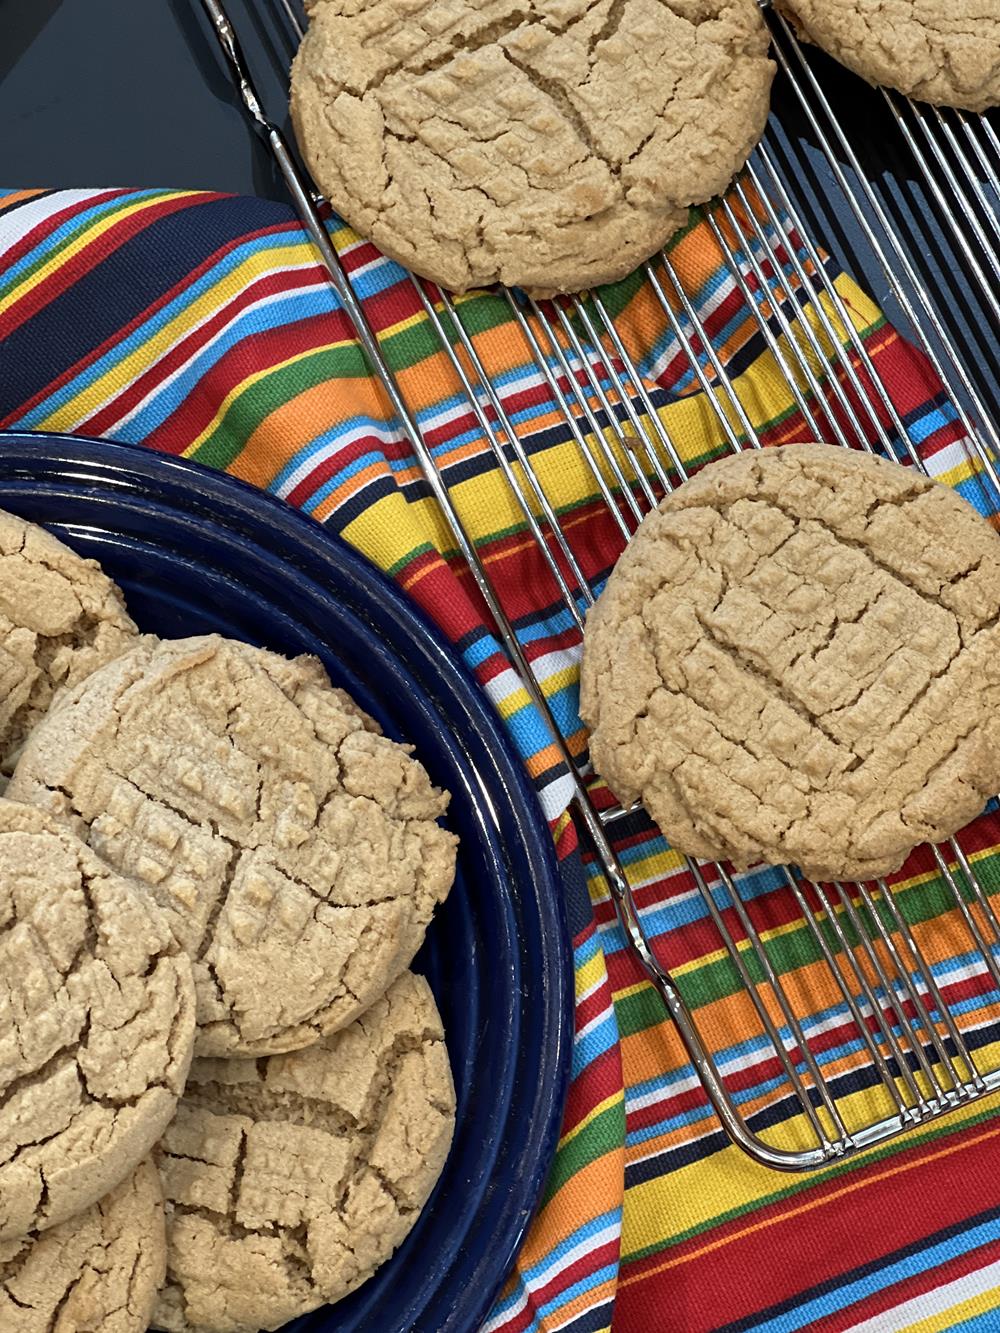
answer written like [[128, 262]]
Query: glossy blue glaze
[[197, 552]]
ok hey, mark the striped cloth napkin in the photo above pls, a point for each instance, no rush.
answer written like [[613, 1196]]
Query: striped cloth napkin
[[201, 325]]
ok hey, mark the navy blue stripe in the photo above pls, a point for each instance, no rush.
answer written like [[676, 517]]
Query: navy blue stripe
[[121, 286], [863, 1270]]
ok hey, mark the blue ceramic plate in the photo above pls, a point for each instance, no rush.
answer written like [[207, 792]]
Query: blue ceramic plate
[[197, 552]]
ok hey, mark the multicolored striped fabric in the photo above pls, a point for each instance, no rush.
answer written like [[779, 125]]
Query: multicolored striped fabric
[[202, 325]]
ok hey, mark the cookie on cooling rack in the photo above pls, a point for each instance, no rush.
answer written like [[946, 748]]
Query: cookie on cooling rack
[[97, 1273], [294, 851], [943, 51], [797, 659], [552, 146], [61, 617], [290, 1180]]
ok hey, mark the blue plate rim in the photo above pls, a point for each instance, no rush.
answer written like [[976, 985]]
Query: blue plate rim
[[230, 498]]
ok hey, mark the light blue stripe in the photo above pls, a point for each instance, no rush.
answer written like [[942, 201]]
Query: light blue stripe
[[479, 652], [590, 1045], [290, 309], [585, 1232], [586, 950], [79, 221], [175, 391], [803, 1316]]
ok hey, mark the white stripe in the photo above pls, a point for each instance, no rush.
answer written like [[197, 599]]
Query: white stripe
[[499, 1320], [936, 1302], [705, 310], [664, 1094], [602, 1017], [542, 1279], [556, 797], [951, 456], [14, 225], [503, 686], [329, 450], [163, 385], [582, 1247], [562, 659]]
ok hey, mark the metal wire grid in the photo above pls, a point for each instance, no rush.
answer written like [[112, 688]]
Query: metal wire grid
[[917, 1046]]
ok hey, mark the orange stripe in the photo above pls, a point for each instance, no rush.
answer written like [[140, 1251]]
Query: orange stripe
[[431, 567], [602, 1179], [304, 417], [542, 760], [12, 197]]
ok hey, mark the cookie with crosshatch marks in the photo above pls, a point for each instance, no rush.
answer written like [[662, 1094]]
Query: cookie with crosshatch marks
[[99, 1272], [96, 1025], [290, 1180], [61, 617], [548, 144], [797, 659], [943, 51], [294, 850]]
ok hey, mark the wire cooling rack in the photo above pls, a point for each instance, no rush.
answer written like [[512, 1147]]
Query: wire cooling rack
[[808, 178]]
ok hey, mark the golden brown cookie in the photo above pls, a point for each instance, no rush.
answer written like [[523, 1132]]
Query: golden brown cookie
[[944, 51], [547, 144], [290, 1180], [797, 659], [61, 617], [96, 1024], [97, 1273], [294, 851]]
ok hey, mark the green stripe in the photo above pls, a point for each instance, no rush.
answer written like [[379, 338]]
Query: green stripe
[[798, 947], [425, 548], [257, 401], [604, 1134], [403, 349], [86, 224]]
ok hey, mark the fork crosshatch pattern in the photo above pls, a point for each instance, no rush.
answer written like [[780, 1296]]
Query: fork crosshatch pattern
[[202, 325]]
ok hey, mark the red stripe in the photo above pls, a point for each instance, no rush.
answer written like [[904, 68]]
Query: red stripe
[[259, 351], [98, 423], [39, 294], [52, 222], [164, 365], [756, 1282], [583, 1268]]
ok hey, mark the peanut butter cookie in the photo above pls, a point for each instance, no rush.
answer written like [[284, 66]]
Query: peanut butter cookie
[[797, 659], [547, 144], [97, 1273], [96, 1024], [60, 619], [294, 850], [289, 1180], [944, 51]]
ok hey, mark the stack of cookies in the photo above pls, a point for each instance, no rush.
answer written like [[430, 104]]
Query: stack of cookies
[[205, 851]]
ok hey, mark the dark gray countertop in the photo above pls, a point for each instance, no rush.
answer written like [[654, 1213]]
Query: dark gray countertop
[[126, 92]]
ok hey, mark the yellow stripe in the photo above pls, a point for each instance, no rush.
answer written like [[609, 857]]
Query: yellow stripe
[[152, 349], [588, 974], [90, 234], [980, 1304], [613, 1100], [692, 1197]]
